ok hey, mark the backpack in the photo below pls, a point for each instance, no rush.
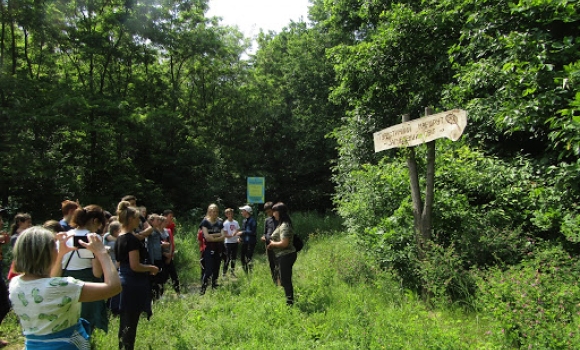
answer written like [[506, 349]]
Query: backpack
[[298, 243]]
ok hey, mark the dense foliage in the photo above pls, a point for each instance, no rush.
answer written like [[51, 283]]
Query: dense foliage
[[101, 99], [507, 193], [343, 301]]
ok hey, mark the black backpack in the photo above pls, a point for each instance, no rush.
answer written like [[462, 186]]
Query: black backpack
[[298, 243]]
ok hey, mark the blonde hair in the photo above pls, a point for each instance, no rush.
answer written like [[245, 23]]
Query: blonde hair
[[53, 225], [125, 211], [114, 227], [229, 210], [210, 207], [33, 251]]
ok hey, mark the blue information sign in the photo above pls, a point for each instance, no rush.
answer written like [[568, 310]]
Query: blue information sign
[[256, 189]]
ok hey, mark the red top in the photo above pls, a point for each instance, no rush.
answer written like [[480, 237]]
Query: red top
[[171, 227], [201, 240], [172, 242]]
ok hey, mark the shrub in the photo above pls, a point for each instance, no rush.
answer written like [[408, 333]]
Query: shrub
[[536, 302], [486, 212]]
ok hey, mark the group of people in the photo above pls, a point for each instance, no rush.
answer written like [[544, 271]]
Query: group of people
[[64, 275], [219, 241]]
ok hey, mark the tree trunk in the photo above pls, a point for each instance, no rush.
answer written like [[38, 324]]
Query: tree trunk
[[422, 210], [415, 195]]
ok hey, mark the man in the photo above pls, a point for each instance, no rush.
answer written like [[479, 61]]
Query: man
[[269, 227], [170, 266], [248, 236], [68, 210], [168, 213]]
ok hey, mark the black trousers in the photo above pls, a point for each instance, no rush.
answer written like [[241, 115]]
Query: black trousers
[[231, 256], [273, 265], [285, 263], [157, 281], [247, 253], [212, 261], [171, 272], [128, 329], [4, 301]]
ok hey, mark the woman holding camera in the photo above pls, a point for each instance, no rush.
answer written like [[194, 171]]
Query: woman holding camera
[[49, 307], [81, 263]]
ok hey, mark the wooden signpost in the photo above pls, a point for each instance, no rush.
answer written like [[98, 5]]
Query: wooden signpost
[[449, 124]]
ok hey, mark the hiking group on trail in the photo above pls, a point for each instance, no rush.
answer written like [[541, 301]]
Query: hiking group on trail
[[67, 276]]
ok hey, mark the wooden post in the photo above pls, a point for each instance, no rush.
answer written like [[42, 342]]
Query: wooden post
[[422, 210], [429, 188], [415, 194]]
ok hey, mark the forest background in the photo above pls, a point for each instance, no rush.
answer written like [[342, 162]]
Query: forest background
[[99, 99]]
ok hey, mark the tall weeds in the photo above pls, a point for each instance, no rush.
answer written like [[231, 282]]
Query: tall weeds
[[343, 301]]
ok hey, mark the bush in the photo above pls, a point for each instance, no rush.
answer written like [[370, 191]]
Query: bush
[[445, 278], [536, 302], [486, 212]]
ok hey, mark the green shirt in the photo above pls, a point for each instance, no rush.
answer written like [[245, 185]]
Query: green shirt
[[283, 231]]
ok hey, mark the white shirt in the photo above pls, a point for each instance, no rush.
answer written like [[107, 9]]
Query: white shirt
[[46, 305], [231, 227], [82, 258]]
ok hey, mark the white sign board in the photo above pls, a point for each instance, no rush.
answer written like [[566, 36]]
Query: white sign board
[[448, 124]]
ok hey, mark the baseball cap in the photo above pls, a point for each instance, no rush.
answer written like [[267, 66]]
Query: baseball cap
[[246, 208]]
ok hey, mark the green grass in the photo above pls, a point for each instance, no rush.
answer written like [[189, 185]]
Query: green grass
[[343, 301]]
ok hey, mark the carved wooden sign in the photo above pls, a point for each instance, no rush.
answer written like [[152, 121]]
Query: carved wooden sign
[[448, 124]]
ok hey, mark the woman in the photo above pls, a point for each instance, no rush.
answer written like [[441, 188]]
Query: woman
[[155, 250], [4, 302], [136, 295], [282, 240], [110, 238], [48, 307], [22, 221], [213, 235], [81, 264], [4, 239]]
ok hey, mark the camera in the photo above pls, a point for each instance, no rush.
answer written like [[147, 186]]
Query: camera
[[77, 239]]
